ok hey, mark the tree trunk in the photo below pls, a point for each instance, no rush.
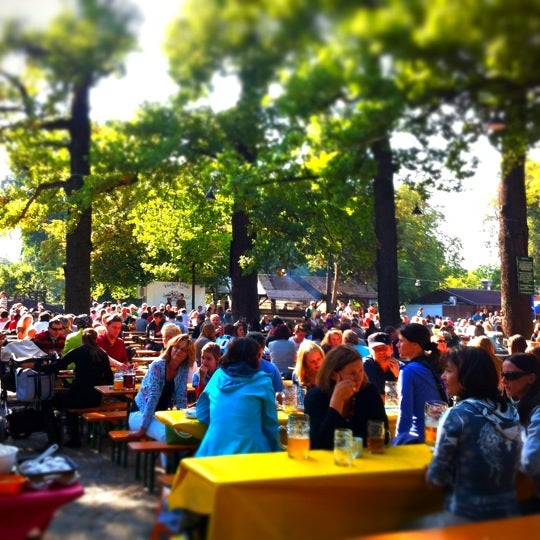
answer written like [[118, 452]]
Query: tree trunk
[[244, 294], [329, 281], [79, 220], [513, 241], [386, 235], [335, 284]]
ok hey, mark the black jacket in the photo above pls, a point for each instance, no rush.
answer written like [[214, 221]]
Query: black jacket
[[368, 405]]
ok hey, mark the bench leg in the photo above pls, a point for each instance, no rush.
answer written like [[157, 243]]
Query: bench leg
[[137, 466]]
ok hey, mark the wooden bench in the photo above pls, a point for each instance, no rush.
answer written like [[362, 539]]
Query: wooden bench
[[97, 419], [110, 405], [165, 480], [150, 451], [107, 406], [119, 440]]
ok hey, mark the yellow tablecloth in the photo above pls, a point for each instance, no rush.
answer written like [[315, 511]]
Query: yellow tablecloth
[[270, 496], [177, 420]]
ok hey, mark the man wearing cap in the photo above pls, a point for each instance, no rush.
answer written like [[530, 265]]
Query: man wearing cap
[[380, 366]]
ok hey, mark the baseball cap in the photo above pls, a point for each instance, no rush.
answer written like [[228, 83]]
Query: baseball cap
[[379, 338], [83, 321]]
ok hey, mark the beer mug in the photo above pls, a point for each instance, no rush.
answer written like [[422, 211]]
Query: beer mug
[[297, 436], [358, 446], [375, 436], [433, 410], [289, 399], [118, 382], [391, 398], [129, 379], [343, 447]]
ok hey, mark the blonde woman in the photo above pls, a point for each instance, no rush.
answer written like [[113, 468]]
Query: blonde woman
[[332, 338], [308, 362], [163, 386]]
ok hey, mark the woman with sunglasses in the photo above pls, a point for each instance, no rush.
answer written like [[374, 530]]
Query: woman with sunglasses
[[521, 382]]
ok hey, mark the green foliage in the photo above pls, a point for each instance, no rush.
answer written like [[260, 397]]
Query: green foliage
[[426, 257], [533, 214], [44, 112], [473, 278]]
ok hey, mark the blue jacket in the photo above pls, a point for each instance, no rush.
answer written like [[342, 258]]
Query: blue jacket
[[476, 459], [274, 373], [416, 385], [530, 456], [241, 415], [152, 385]]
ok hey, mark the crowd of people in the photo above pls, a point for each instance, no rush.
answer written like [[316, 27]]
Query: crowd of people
[[340, 363]]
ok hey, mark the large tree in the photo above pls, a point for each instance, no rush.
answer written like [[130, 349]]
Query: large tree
[[46, 128], [466, 60], [247, 43]]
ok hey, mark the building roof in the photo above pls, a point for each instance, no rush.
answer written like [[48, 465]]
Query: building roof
[[473, 297], [292, 288]]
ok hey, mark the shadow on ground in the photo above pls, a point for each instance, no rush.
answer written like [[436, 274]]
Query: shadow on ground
[[115, 506]]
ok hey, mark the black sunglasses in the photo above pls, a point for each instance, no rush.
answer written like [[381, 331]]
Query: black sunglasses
[[513, 375]]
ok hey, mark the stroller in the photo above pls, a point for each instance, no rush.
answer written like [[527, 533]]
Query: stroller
[[33, 381]]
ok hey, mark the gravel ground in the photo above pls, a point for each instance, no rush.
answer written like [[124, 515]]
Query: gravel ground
[[115, 506]]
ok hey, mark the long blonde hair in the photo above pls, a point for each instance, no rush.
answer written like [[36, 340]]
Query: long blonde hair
[[306, 348], [190, 348]]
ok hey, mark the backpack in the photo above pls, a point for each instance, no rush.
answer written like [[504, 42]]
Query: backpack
[[24, 421], [31, 385]]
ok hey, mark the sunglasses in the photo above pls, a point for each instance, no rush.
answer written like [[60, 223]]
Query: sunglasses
[[441, 341], [513, 375]]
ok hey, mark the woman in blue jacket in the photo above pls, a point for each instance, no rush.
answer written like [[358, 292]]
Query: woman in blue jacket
[[419, 381], [476, 456], [238, 405]]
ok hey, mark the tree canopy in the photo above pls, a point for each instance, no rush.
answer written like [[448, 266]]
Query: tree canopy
[[303, 164]]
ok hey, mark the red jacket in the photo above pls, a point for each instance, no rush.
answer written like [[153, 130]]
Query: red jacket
[[45, 342]]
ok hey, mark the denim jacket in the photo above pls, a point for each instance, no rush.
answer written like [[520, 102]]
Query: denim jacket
[[152, 385]]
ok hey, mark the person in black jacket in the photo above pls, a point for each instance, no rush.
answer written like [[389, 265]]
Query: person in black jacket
[[92, 368], [343, 398]]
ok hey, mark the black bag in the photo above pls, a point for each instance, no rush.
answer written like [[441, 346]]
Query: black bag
[[8, 379], [22, 422]]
